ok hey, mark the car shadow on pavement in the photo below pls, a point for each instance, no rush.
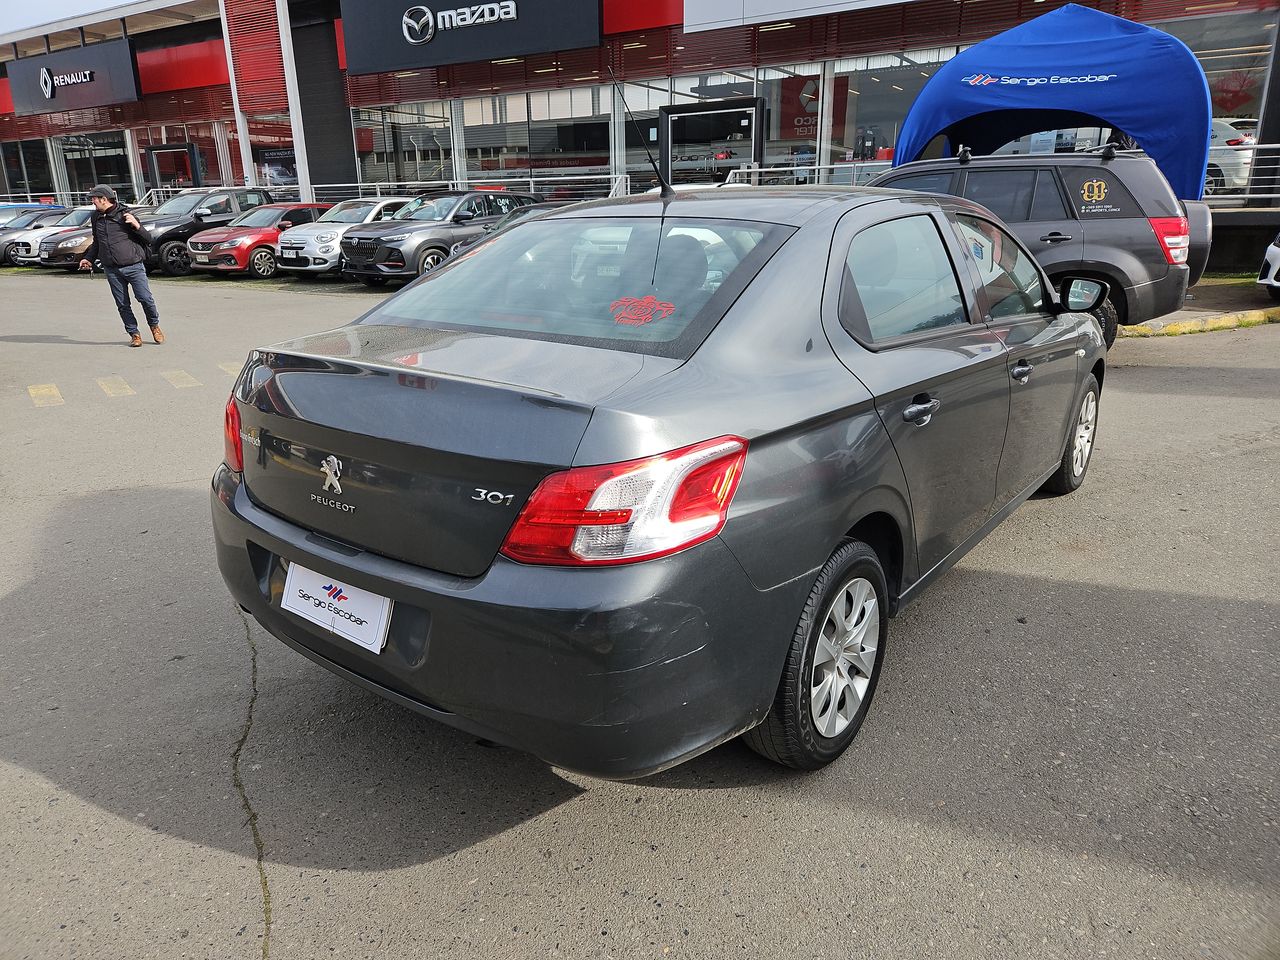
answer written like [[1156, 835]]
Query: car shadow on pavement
[[1097, 719]]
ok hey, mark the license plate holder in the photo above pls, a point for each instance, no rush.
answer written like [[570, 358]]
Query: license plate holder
[[359, 616], [202, 258]]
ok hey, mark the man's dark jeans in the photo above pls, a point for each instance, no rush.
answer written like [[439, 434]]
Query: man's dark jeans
[[135, 276]]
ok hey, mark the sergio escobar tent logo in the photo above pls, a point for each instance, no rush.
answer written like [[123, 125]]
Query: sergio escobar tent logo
[[984, 79]]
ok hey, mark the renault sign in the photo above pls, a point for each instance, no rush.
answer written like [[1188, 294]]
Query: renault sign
[[90, 76]]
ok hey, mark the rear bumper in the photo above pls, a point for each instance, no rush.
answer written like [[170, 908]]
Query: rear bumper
[[1146, 301], [615, 672]]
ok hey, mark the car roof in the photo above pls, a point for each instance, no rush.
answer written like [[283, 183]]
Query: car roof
[[785, 205], [1092, 158]]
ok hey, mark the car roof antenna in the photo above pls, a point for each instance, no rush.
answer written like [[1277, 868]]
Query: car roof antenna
[[964, 155], [665, 192]]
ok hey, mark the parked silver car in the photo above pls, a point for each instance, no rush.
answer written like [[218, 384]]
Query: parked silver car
[[317, 247]]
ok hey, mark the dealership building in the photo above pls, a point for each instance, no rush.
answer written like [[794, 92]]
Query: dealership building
[[324, 95]]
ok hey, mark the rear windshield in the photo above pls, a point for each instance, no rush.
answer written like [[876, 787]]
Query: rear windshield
[[641, 285]]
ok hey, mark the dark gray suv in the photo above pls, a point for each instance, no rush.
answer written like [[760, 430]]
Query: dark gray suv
[[420, 235], [637, 476], [1110, 216]]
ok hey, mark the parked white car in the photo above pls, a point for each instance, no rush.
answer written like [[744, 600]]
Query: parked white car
[[1230, 159], [316, 247], [24, 247], [1269, 275]]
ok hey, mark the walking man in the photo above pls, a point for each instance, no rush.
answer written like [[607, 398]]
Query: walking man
[[121, 244]]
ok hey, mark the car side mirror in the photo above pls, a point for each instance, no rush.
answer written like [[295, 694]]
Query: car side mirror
[[285, 224], [203, 212], [462, 216], [1080, 295]]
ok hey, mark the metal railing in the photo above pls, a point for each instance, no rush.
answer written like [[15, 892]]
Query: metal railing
[[1240, 177], [51, 197], [847, 174]]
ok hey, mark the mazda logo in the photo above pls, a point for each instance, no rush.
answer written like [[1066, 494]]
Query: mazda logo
[[418, 25]]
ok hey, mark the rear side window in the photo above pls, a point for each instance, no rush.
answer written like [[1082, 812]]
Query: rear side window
[[898, 281], [1006, 193], [1047, 204], [925, 183], [1097, 193], [500, 205], [641, 285]]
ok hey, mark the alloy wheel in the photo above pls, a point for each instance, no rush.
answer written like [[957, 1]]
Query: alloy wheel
[[430, 260], [845, 657], [177, 258], [1085, 426]]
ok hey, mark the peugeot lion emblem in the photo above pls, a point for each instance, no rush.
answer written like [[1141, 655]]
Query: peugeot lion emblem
[[332, 468], [418, 25]]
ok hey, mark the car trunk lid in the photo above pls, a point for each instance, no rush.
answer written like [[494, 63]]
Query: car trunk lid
[[418, 444]]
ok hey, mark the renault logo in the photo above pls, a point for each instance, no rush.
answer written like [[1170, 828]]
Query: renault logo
[[418, 25], [46, 83]]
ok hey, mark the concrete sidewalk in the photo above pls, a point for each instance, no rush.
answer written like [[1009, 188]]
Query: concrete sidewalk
[[1215, 303]]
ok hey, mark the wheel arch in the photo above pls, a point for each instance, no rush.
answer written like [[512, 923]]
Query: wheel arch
[[882, 533]]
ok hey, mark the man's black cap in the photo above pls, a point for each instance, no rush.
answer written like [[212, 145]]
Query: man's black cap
[[102, 190]]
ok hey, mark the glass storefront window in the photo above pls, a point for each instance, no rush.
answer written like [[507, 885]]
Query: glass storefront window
[[644, 98], [792, 98], [870, 99], [407, 142], [1234, 50], [496, 134], [26, 166], [94, 158], [569, 130]]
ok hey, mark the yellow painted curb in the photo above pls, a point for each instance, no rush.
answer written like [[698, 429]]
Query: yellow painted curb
[[1224, 321]]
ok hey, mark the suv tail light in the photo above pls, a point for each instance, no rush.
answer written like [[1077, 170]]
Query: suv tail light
[[1175, 240], [627, 512], [232, 453]]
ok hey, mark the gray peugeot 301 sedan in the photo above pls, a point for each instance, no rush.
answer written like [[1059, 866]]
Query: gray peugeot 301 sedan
[[642, 475]]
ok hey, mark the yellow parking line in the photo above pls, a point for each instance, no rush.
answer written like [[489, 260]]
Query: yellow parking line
[[45, 395], [115, 387], [180, 379], [231, 368]]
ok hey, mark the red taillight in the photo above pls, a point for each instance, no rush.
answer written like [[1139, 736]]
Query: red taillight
[[1240, 141], [232, 452], [1175, 240], [627, 512]]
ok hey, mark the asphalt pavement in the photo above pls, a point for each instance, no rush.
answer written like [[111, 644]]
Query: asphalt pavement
[[1073, 750]]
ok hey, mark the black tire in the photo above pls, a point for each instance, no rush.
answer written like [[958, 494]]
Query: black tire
[[1067, 479], [1274, 292], [175, 259], [789, 734], [7, 259], [262, 263], [1108, 317], [431, 258], [1213, 181], [371, 281]]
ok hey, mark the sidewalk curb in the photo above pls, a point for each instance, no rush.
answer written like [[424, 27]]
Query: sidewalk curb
[[1224, 321]]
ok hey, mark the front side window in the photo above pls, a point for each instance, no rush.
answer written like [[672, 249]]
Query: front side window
[[75, 218], [218, 204], [1009, 277], [474, 205], [652, 286], [180, 205], [252, 198], [898, 280]]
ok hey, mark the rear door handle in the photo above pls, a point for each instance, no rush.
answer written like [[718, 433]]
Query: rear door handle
[[1022, 371], [1054, 237], [920, 413]]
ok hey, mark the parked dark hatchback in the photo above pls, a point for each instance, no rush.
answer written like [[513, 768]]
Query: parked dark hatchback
[[419, 237], [187, 213], [638, 476], [1111, 217]]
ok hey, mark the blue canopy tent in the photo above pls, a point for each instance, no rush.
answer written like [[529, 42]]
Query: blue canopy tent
[[1072, 67]]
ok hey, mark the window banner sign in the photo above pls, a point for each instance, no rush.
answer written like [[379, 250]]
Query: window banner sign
[[91, 76], [383, 35]]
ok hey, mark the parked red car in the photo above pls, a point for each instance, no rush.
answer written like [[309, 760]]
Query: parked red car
[[249, 243]]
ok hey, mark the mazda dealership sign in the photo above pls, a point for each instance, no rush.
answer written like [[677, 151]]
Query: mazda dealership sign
[[90, 76], [384, 35]]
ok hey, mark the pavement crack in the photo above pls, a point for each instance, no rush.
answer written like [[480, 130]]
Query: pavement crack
[[251, 815]]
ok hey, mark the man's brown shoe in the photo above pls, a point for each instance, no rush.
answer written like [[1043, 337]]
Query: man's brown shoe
[[135, 340], [157, 334]]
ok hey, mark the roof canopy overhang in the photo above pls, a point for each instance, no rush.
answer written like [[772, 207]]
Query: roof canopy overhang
[[1071, 67]]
